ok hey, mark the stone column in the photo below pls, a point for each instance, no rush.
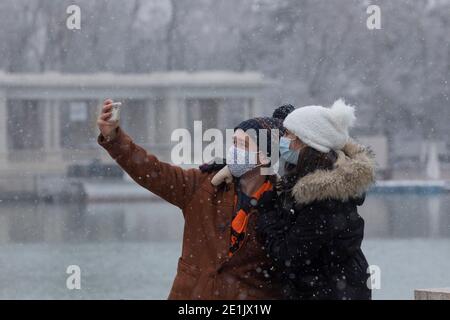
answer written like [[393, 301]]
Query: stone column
[[3, 130], [254, 107], [171, 108], [52, 147], [221, 113], [170, 123], [47, 126], [154, 116]]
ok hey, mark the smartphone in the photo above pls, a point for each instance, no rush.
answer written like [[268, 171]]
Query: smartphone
[[115, 115]]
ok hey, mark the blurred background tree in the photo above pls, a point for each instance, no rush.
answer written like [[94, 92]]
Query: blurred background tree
[[317, 49]]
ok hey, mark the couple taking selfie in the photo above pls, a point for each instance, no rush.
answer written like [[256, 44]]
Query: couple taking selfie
[[249, 235]]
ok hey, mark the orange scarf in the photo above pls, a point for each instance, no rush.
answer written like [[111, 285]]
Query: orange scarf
[[240, 220]]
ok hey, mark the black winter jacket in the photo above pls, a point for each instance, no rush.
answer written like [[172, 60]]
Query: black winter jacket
[[314, 233]]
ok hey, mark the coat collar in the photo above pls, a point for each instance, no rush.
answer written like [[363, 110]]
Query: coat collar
[[352, 175]]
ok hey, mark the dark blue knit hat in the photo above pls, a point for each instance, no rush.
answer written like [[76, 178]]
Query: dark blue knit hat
[[260, 123], [283, 111]]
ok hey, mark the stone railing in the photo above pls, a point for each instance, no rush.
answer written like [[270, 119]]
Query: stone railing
[[432, 294]]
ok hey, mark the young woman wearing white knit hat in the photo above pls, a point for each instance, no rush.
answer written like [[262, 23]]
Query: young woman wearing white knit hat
[[313, 231]]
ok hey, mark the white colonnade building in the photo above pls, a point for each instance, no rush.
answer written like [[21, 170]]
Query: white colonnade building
[[48, 120]]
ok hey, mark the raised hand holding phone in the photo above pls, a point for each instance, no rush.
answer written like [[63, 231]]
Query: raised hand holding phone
[[108, 120], [115, 111]]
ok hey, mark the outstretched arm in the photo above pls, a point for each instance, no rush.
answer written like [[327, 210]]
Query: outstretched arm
[[172, 183]]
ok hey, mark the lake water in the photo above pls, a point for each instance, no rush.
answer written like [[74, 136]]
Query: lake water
[[130, 250]]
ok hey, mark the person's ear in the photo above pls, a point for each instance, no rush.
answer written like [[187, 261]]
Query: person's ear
[[297, 144]]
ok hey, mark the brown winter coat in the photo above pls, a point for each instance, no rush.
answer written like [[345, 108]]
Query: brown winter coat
[[204, 269]]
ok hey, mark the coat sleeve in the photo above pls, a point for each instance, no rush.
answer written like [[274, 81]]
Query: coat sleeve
[[293, 242], [172, 183]]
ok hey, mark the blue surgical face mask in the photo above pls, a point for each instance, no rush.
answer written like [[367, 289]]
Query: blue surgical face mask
[[287, 154], [241, 161]]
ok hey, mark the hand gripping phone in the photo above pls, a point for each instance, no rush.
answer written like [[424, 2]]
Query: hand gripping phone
[[115, 115]]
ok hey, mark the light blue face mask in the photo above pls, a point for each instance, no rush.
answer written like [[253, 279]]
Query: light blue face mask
[[287, 154]]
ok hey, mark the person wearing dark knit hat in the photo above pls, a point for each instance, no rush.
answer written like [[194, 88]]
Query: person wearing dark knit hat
[[254, 127], [279, 113], [249, 152], [258, 124], [254, 188], [218, 221]]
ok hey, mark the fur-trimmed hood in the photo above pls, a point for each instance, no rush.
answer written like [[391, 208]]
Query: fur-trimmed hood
[[352, 175]]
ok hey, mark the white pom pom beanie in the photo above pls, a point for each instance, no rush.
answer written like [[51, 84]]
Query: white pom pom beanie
[[323, 129]]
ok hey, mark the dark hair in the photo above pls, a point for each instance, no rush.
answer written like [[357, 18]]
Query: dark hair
[[309, 160]]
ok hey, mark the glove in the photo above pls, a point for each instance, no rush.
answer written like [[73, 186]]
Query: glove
[[214, 165]]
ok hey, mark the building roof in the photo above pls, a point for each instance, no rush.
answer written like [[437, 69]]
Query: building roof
[[157, 79]]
